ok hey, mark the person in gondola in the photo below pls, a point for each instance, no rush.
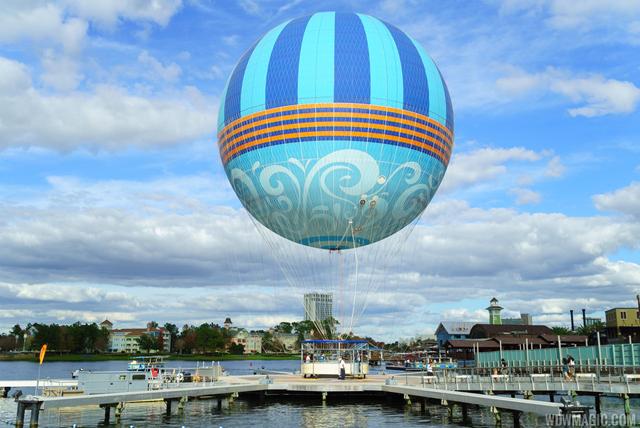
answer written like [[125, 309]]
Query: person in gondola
[[342, 369]]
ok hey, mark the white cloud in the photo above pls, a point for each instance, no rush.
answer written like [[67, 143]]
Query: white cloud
[[250, 6], [625, 200], [60, 72], [483, 165], [231, 40], [109, 12], [463, 314], [170, 72], [106, 117], [42, 23], [526, 196], [597, 95], [587, 14], [555, 168]]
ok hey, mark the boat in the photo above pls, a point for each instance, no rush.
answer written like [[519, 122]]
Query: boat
[[142, 374], [144, 363]]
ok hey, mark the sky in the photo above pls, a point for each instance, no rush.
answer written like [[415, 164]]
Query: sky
[[114, 203]]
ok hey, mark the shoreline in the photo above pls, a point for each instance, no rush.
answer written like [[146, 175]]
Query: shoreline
[[125, 357]]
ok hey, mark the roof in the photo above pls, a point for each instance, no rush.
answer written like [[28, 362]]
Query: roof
[[573, 338], [632, 308], [514, 340], [455, 327], [471, 343], [491, 330], [106, 322]]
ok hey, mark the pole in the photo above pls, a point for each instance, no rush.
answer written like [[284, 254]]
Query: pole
[[573, 327], [559, 350], [38, 380]]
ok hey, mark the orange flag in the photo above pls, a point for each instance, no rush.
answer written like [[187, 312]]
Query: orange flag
[[43, 351]]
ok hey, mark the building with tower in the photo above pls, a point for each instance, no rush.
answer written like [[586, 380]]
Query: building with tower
[[494, 312]]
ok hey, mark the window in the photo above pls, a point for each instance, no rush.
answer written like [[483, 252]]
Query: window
[[623, 315]]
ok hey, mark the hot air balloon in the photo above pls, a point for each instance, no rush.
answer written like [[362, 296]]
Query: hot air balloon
[[335, 131]]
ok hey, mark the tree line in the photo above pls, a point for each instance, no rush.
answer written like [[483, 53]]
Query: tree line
[[74, 338]]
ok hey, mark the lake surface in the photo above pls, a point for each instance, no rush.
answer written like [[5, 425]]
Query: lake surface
[[272, 413]]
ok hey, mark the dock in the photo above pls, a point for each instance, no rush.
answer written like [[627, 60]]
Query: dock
[[495, 392]]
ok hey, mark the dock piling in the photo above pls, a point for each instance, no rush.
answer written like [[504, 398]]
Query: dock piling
[[182, 403], [119, 410], [627, 406], [107, 412], [35, 414], [516, 419], [20, 415], [168, 409]]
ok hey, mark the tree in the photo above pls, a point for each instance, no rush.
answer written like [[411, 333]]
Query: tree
[[147, 342], [17, 330], [329, 327], [173, 330], [152, 325], [284, 327], [236, 349], [561, 331], [590, 329]]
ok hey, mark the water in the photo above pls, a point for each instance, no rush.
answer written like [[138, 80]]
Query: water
[[281, 413]]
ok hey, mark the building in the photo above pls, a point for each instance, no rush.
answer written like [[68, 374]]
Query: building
[[125, 340], [318, 306], [589, 321], [486, 331], [465, 349], [623, 322], [525, 319], [106, 324], [451, 330], [252, 342], [227, 323], [494, 312]]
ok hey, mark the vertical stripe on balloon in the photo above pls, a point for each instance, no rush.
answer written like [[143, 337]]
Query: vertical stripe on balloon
[[282, 75], [385, 66], [221, 122], [315, 73], [449, 106], [254, 83], [232, 98], [352, 75], [415, 88], [437, 97]]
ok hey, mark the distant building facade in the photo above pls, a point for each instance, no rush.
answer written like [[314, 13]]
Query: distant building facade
[[318, 306], [589, 321], [252, 342], [623, 322], [125, 340], [451, 330], [525, 319]]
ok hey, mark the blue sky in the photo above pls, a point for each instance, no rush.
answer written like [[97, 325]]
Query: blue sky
[[113, 201]]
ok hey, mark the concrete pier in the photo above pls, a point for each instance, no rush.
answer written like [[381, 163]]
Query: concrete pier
[[408, 389]]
